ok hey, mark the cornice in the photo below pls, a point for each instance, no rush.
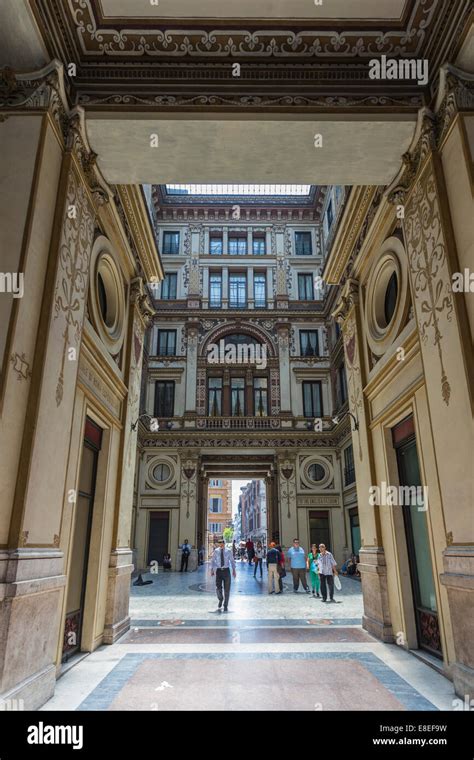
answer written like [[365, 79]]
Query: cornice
[[359, 203], [134, 215]]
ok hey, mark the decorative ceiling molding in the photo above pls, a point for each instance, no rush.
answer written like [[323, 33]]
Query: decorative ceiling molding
[[132, 64], [97, 38]]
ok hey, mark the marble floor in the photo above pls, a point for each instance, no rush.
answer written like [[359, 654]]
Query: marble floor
[[287, 652]]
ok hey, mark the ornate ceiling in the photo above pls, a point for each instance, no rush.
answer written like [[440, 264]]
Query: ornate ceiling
[[132, 55]]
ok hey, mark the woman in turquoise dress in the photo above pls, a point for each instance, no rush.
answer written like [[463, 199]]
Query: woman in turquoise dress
[[312, 565]]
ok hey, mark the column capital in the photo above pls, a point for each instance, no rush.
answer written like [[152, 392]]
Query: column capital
[[455, 94], [423, 143], [45, 88], [348, 299], [140, 298]]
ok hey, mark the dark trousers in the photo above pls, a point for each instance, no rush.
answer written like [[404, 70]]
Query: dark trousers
[[327, 582], [250, 555], [184, 561], [258, 563], [223, 580], [299, 574], [280, 582]]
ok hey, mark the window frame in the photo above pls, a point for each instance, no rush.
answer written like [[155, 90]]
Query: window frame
[[305, 333], [157, 412], [305, 275], [166, 235], [167, 333], [314, 414], [166, 282]]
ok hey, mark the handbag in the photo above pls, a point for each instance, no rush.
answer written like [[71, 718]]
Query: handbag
[[337, 583]]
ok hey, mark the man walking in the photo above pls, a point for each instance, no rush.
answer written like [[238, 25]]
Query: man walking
[[273, 560], [221, 562], [297, 557], [327, 567]]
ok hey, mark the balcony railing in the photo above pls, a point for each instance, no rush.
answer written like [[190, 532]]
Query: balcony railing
[[238, 423]]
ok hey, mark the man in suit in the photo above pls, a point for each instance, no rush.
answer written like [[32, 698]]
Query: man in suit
[[221, 563]]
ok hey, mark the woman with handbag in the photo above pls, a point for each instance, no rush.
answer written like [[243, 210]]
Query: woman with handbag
[[312, 566]]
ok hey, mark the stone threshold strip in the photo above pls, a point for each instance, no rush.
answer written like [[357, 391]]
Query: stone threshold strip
[[270, 623]]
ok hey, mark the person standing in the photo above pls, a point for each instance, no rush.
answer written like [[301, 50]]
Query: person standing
[[221, 563], [312, 566], [250, 550], [327, 569], [258, 559], [273, 560], [281, 568], [297, 557], [185, 552]]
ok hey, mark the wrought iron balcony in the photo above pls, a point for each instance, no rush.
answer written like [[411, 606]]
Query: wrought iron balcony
[[238, 423]]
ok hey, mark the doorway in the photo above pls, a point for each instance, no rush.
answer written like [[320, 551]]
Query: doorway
[[319, 529], [83, 513], [355, 530], [158, 536], [418, 546]]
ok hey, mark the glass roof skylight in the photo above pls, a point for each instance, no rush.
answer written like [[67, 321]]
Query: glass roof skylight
[[300, 190]]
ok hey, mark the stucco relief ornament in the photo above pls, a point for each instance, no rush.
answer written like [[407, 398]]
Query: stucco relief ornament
[[427, 257], [73, 271]]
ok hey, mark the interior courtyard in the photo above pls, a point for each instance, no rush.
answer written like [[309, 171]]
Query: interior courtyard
[[230, 255]]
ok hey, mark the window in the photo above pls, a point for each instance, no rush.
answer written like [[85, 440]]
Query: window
[[237, 291], [169, 287], [260, 291], [215, 527], [164, 398], [260, 396], [305, 287], [171, 242], [303, 244], [215, 245], [391, 295], [166, 342], [342, 384], [237, 393], [215, 504], [215, 290], [237, 245], [215, 397], [349, 471], [215, 483], [312, 399], [309, 343], [161, 472], [258, 245], [316, 472], [330, 215], [102, 297]]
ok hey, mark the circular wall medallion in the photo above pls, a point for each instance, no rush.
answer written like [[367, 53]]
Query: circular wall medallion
[[160, 471], [107, 296], [387, 296], [317, 472]]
